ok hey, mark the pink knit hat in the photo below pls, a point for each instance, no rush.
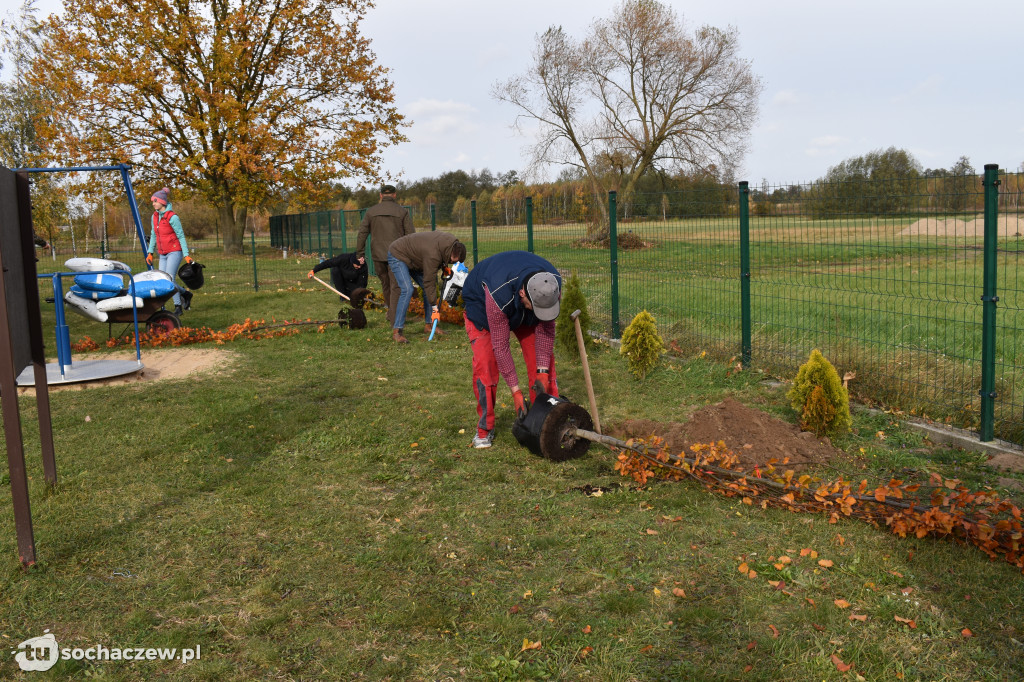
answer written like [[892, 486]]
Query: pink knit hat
[[162, 196]]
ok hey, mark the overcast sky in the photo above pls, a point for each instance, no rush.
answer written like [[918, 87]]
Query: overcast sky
[[940, 78]]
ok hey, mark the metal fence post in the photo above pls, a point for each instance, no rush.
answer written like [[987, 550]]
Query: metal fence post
[[989, 299], [255, 277], [433, 217], [330, 236], [472, 213], [344, 246], [745, 272], [529, 224], [613, 254]]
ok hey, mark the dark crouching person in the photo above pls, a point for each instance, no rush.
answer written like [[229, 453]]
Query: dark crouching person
[[348, 272]]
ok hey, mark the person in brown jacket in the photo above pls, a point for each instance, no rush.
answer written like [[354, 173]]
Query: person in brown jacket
[[383, 223], [420, 257]]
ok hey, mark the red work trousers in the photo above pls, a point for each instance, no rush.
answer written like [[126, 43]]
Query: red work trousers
[[485, 370]]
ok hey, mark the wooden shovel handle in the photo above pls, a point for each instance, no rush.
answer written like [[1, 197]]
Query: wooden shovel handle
[[332, 288]]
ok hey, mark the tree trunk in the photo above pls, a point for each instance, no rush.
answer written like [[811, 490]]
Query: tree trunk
[[599, 227], [231, 227]]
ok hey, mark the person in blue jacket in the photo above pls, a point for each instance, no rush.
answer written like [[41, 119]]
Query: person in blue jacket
[[168, 238], [512, 292]]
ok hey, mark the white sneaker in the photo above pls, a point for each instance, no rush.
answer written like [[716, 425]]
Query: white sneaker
[[485, 441]]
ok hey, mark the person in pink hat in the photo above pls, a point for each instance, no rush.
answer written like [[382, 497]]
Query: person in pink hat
[[168, 239]]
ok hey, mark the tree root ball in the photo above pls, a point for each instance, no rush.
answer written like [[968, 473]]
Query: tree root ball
[[557, 440], [359, 296], [351, 318], [549, 429]]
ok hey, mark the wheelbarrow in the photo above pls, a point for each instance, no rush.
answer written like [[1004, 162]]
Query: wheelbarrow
[[151, 313]]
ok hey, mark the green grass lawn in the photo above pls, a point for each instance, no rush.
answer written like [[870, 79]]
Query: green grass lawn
[[313, 512]]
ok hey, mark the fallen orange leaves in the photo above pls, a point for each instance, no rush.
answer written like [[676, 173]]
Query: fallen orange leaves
[[528, 645], [840, 666], [907, 621], [249, 329], [841, 603], [949, 510]]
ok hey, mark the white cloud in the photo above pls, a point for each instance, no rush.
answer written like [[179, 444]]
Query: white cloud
[[433, 107], [787, 98], [827, 141], [437, 122], [824, 145], [929, 88]]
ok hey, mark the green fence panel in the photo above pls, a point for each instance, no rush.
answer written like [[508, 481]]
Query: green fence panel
[[886, 277]]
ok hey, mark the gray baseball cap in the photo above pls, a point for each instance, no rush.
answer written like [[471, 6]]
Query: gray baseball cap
[[545, 295]]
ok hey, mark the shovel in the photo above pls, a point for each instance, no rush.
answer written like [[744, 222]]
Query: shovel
[[355, 303]]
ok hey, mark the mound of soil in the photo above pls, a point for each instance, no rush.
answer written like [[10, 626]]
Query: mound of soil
[[1007, 226], [754, 436], [626, 241]]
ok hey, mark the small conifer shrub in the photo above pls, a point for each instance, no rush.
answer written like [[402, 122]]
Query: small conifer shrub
[[818, 394], [573, 299], [642, 344]]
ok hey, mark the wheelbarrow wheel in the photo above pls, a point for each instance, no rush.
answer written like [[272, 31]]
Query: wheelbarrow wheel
[[162, 322]]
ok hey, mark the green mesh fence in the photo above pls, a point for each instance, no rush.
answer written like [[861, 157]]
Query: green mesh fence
[[884, 276]]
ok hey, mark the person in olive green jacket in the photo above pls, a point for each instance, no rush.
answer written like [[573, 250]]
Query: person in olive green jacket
[[420, 257], [384, 223]]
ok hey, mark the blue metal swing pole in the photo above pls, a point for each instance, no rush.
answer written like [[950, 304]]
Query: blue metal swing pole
[[135, 318], [135, 216], [61, 326]]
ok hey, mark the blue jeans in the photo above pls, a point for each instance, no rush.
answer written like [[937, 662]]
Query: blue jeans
[[169, 263], [404, 278]]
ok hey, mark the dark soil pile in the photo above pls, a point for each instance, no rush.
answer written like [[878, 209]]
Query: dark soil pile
[[754, 436]]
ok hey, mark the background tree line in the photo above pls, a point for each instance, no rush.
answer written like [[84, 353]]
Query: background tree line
[[881, 182]]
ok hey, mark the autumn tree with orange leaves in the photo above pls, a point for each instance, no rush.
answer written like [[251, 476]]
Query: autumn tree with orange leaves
[[239, 101]]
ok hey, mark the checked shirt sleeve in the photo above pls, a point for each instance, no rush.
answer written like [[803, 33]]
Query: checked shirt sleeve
[[544, 344], [500, 337]]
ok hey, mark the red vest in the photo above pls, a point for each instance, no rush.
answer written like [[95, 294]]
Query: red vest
[[166, 240]]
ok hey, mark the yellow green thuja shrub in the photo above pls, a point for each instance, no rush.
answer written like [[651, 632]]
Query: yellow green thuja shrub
[[818, 394], [573, 299], [642, 344]]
